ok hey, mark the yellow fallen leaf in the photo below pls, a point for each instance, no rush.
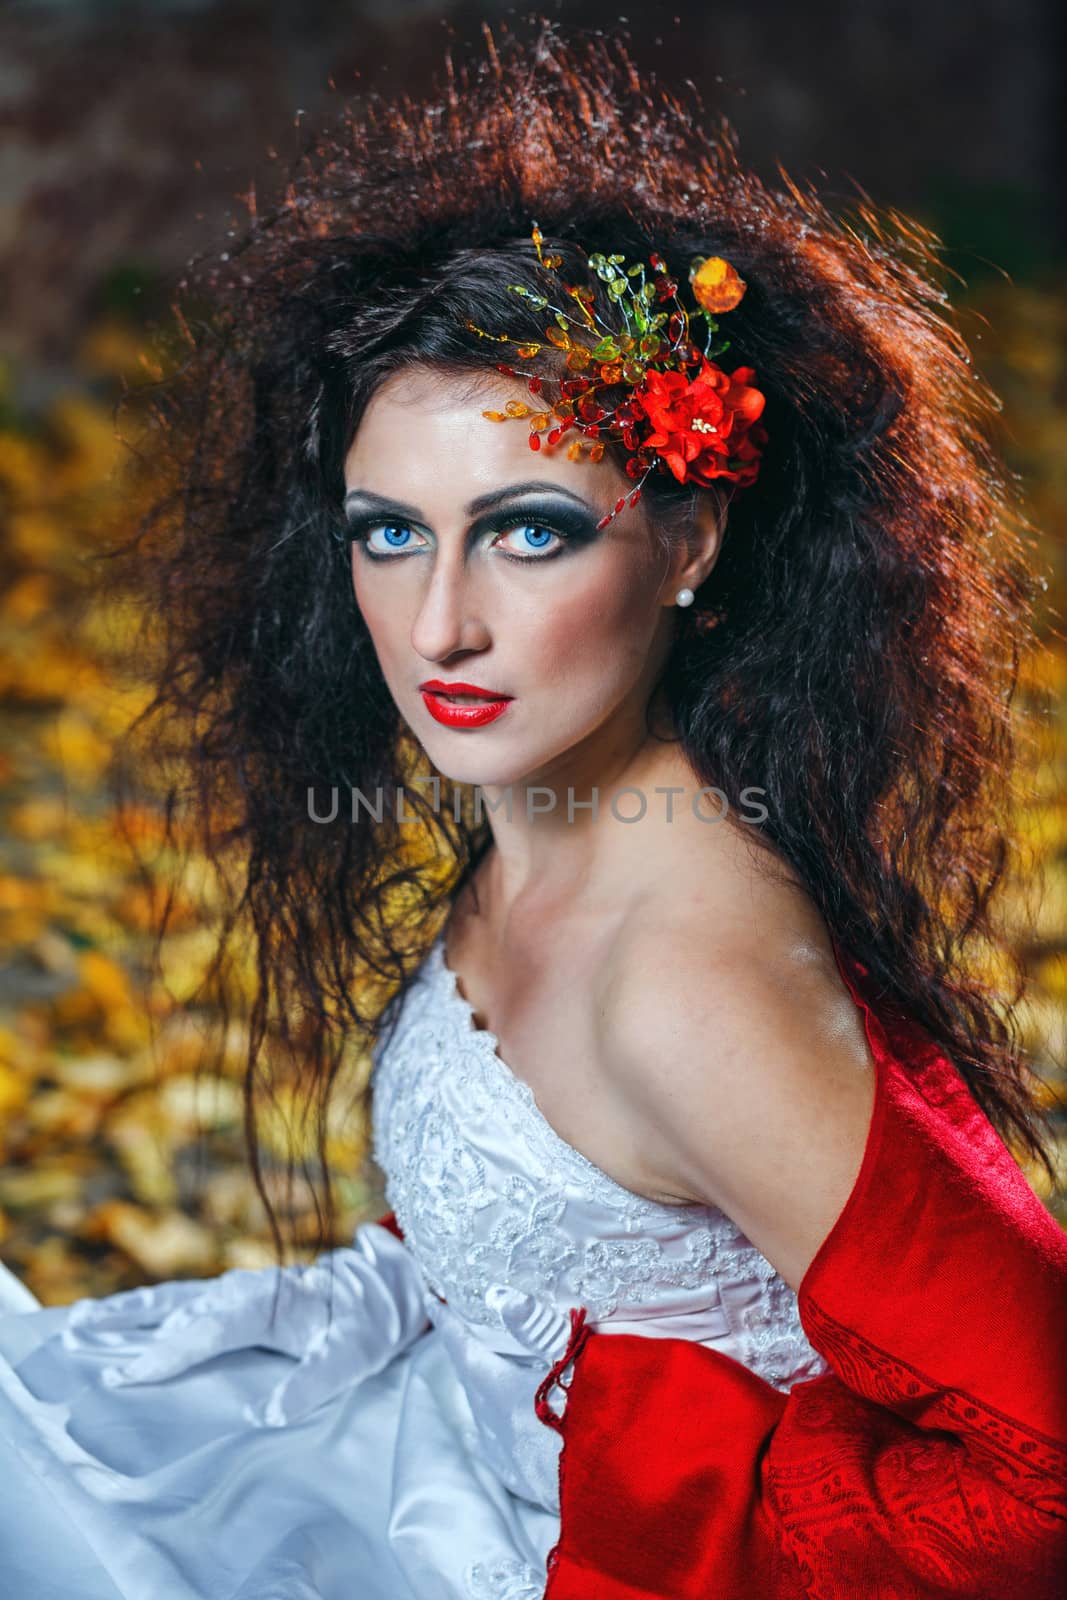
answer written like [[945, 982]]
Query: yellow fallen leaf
[[166, 1244], [41, 817], [196, 1103], [28, 597], [74, 745], [105, 979], [42, 1185]]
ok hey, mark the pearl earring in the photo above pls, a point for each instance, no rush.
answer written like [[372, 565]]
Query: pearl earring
[[684, 597]]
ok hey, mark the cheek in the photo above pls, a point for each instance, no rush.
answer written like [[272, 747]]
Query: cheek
[[604, 632], [382, 620]]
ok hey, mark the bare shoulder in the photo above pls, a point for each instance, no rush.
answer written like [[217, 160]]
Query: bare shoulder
[[740, 1051]]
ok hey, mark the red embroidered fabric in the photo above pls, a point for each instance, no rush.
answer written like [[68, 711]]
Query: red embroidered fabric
[[932, 1459]]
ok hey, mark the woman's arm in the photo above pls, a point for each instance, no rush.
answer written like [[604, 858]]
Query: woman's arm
[[930, 1461]]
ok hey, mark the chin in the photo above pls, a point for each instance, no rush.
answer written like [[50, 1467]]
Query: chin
[[476, 769]]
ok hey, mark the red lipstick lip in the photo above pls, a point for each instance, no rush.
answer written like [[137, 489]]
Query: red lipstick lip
[[435, 684], [453, 715]]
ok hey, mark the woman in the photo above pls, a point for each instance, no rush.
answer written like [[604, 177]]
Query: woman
[[710, 1268]]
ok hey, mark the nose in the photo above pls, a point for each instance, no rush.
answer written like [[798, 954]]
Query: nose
[[449, 617]]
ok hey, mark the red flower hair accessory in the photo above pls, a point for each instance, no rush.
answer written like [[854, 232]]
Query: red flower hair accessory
[[683, 414]]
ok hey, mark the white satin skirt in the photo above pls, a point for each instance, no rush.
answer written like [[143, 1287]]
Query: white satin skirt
[[167, 1492]]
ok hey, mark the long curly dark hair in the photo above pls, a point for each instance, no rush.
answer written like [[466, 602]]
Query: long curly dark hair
[[854, 652]]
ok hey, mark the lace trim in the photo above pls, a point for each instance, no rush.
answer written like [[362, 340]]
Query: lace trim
[[507, 1579], [521, 1091]]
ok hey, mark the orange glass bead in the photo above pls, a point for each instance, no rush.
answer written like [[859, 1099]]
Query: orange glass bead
[[495, 416], [596, 451], [528, 351], [539, 422], [515, 408], [716, 285], [574, 450], [578, 359], [559, 337]]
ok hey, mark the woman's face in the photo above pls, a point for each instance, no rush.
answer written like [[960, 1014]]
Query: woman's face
[[477, 560]]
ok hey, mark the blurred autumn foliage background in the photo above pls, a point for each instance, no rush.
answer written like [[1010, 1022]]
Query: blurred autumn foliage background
[[131, 130]]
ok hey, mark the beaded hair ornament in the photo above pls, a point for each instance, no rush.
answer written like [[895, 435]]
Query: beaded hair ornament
[[683, 413]]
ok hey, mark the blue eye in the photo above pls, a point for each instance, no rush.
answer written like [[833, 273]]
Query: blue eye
[[539, 539], [394, 533]]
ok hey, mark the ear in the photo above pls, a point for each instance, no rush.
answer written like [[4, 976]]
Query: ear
[[694, 559]]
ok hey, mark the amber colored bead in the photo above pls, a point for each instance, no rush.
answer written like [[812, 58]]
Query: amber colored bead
[[574, 450], [596, 452], [578, 359], [515, 408], [528, 351], [716, 285], [495, 416]]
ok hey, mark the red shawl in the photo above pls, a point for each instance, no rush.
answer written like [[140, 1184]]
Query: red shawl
[[931, 1461]]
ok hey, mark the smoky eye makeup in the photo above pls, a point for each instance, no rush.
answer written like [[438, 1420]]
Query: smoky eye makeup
[[567, 519]]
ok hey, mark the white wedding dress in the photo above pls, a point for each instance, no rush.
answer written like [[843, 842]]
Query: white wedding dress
[[393, 1454]]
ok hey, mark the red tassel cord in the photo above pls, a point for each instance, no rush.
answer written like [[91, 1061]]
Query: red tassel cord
[[579, 1333]]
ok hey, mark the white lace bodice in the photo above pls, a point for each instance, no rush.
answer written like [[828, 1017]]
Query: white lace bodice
[[488, 1194]]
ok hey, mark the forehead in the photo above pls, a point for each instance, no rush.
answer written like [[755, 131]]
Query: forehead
[[423, 433]]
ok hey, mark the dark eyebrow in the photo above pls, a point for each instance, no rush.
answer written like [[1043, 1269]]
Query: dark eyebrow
[[482, 503]]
